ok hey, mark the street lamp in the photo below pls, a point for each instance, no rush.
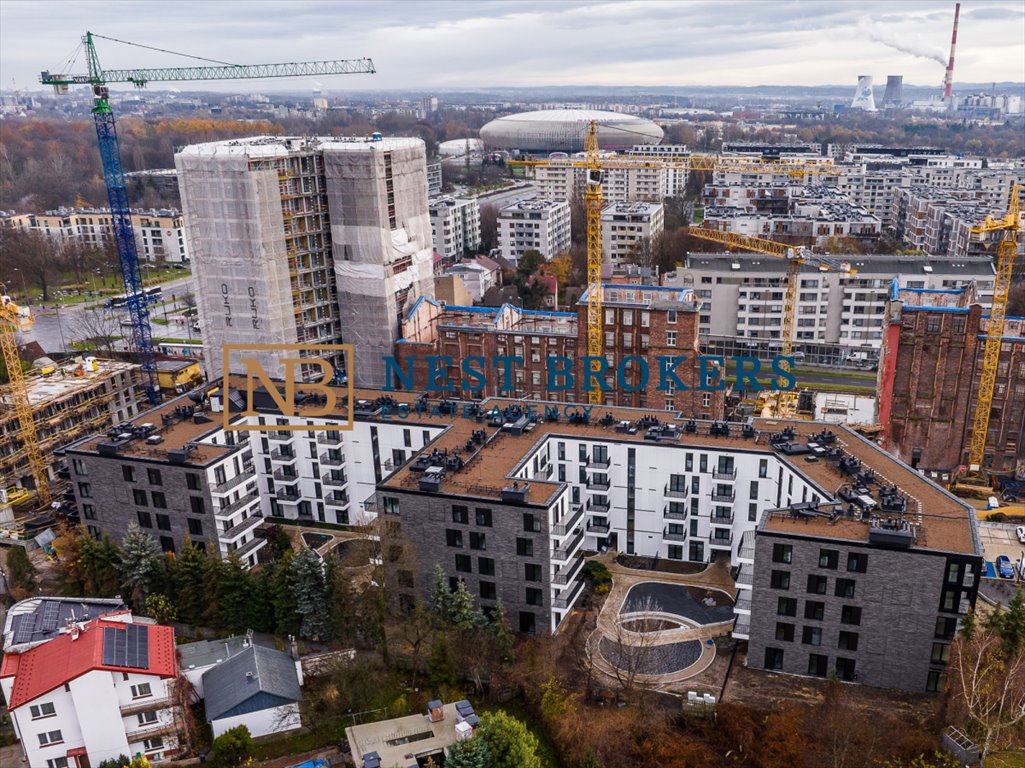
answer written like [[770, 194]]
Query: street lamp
[[24, 285]]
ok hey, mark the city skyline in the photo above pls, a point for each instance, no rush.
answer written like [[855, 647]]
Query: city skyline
[[530, 43]]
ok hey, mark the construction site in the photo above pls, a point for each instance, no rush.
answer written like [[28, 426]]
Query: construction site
[[67, 401]]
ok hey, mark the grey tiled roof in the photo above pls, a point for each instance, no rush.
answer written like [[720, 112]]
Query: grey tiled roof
[[273, 681]]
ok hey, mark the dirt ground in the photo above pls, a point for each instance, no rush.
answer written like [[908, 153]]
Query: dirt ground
[[758, 688]]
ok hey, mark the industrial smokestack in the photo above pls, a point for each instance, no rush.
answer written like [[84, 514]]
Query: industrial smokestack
[[948, 78], [894, 95], [864, 98]]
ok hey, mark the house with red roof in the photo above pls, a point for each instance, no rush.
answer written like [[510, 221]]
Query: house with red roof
[[96, 690]]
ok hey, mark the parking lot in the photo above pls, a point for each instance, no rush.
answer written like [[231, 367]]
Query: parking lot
[[1001, 539]]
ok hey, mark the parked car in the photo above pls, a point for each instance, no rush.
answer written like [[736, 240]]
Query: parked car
[[1021, 533], [1004, 569]]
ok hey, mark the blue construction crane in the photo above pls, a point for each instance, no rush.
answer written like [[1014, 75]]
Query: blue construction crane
[[113, 172]]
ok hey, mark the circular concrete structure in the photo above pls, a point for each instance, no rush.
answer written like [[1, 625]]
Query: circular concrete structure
[[564, 130]]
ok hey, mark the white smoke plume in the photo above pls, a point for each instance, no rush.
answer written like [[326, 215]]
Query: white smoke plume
[[913, 45]]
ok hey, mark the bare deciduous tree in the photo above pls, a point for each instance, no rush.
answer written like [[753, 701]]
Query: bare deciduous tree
[[634, 644]]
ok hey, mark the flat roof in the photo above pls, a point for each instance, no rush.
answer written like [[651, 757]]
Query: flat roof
[[57, 387], [204, 653], [399, 741]]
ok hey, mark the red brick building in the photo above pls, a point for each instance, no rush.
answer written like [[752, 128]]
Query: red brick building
[[645, 328], [929, 372]]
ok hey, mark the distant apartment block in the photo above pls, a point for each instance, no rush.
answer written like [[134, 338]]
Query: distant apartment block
[[928, 418], [455, 226], [159, 234], [839, 316], [939, 221], [534, 225], [434, 178], [562, 181], [307, 241], [625, 225]]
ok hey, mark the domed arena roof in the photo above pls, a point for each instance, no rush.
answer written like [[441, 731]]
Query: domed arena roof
[[564, 130]]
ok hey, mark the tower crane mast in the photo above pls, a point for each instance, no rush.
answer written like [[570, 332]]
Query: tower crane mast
[[113, 171]]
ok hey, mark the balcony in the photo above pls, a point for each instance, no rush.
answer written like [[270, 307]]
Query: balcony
[[566, 550], [337, 499], [727, 497], [281, 435], [598, 486], [237, 530], [721, 541], [328, 439], [285, 477], [747, 547], [722, 519], [248, 548], [137, 732], [569, 522], [288, 495], [228, 485], [675, 493], [598, 463], [280, 455], [599, 529], [743, 601], [566, 600], [335, 478], [673, 515], [718, 474], [236, 505], [742, 629], [329, 461], [745, 577], [601, 507], [145, 705], [568, 572], [666, 536]]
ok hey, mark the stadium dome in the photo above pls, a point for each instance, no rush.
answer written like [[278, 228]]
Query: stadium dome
[[564, 130]]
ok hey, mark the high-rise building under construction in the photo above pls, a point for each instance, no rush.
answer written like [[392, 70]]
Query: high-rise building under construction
[[306, 241]]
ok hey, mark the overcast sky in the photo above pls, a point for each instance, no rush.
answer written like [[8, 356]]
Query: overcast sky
[[437, 44]]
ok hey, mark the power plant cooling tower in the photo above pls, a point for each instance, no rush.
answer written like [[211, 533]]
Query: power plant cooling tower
[[894, 91], [864, 98]]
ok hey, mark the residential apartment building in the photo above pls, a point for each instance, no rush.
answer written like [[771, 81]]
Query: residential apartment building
[[159, 234], [626, 225], [840, 316], [94, 690], [928, 418], [307, 241], [477, 275], [643, 322], [73, 401], [455, 226], [650, 183], [534, 225]]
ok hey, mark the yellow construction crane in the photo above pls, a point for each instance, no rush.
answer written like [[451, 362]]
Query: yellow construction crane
[[796, 257], [1008, 227], [594, 165], [12, 320]]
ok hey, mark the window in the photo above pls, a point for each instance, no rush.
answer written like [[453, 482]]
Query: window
[[817, 584], [845, 588], [531, 523], [453, 538], [774, 658], [675, 552], [850, 614], [671, 338], [50, 737], [780, 580], [845, 669], [786, 606], [535, 596], [487, 590], [152, 745], [814, 610], [483, 517], [197, 506], [159, 500], [857, 562], [528, 623], [525, 547], [829, 558], [193, 482], [164, 522], [936, 681], [811, 636], [398, 457], [782, 553], [486, 566], [940, 653], [147, 718], [752, 512], [954, 573], [391, 505], [145, 520], [817, 664], [460, 515], [39, 711], [763, 468], [477, 540], [139, 496], [195, 527], [79, 466], [141, 691], [945, 627], [57, 762], [848, 641], [89, 511], [153, 475], [531, 572], [128, 473], [784, 632]]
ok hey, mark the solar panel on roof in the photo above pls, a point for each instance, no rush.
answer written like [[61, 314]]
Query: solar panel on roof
[[51, 616], [109, 634], [138, 646], [23, 627]]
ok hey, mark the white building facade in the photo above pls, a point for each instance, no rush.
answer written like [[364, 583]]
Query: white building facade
[[624, 225], [534, 225], [455, 226]]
